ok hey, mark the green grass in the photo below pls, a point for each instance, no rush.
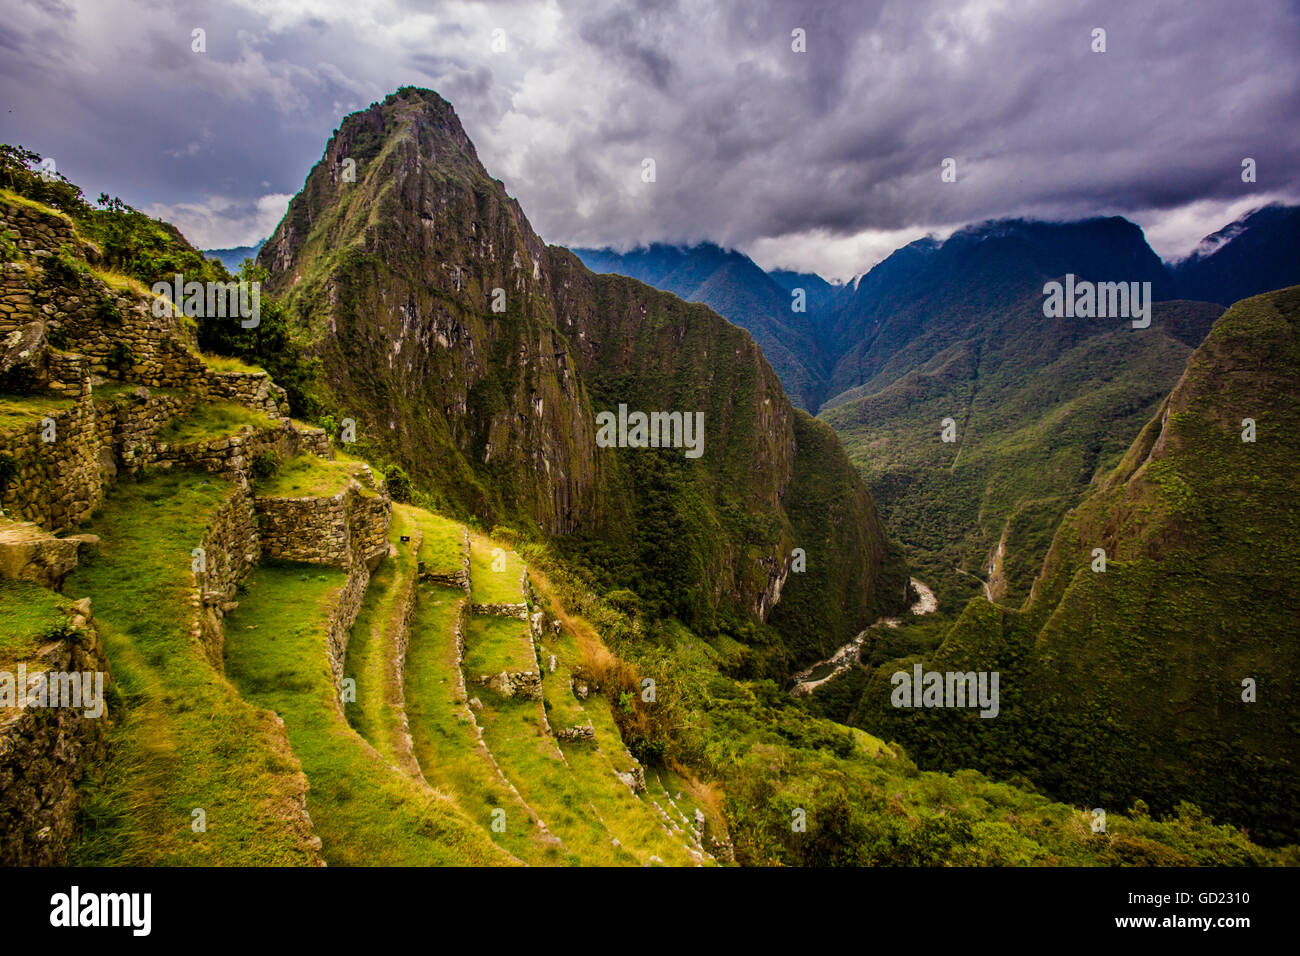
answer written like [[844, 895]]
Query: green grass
[[487, 584], [494, 644], [227, 363], [211, 421], [16, 410], [633, 817], [30, 616], [446, 744], [443, 547], [365, 811], [307, 476], [514, 731], [377, 712], [181, 737]]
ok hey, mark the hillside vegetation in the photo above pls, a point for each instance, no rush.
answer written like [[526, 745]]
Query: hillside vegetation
[[1131, 683]]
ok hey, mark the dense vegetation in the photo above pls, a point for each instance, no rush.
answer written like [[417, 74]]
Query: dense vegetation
[[1038, 408], [1129, 683]]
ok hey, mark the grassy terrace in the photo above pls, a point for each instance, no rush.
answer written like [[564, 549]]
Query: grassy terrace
[[446, 744], [634, 818], [18, 410], [487, 584], [30, 616], [371, 658], [211, 421], [307, 476], [181, 738], [364, 811], [494, 644], [514, 730], [443, 547]]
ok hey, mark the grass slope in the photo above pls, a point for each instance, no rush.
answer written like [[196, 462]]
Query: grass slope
[[182, 739], [364, 810]]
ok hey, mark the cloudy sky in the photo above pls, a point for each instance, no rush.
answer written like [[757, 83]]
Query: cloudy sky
[[824, 160]]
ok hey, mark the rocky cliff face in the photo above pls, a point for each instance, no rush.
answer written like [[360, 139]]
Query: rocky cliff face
[[479, 358]]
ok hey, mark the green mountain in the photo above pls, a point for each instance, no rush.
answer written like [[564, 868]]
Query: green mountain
[[302, 668], [732, 285], [1130, 683], [234, 257], [392, 280], [1037, 407]]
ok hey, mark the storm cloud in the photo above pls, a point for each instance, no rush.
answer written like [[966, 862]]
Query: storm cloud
[[823, 160]]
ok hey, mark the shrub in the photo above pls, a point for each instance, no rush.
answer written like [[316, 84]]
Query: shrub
[[399, 485], [64, 268], [108, 310], [57, 336], [264, 465]]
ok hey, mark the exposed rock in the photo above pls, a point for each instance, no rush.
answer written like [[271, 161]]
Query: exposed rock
[[28, 553]]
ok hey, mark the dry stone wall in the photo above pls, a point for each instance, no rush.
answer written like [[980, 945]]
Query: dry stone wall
[[44, 753], [230, 550], [339, 531], [117, 331], [58, 483]]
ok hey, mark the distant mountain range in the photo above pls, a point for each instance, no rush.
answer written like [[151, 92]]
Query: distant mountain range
[[954, 329], [863, 332], [234, 257]]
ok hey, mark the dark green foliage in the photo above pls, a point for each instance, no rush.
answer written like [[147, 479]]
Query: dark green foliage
[[264, 465], [8, 472], [65, 268], [270, 344], [107, 310], [1127, 684], [120, 356], [399, 485]]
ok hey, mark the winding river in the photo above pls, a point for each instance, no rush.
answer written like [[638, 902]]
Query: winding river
[[808, 680]]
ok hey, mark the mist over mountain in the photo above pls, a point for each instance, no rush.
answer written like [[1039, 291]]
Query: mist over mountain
[[1256, 253]]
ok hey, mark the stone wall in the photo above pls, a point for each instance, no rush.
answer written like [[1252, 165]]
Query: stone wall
[[55, 484], [230, 550], [349, 527], [116, 330], [342, 617], [44, 753], [129, 425]]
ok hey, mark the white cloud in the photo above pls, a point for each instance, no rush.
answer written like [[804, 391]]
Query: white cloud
[[219, 222]]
